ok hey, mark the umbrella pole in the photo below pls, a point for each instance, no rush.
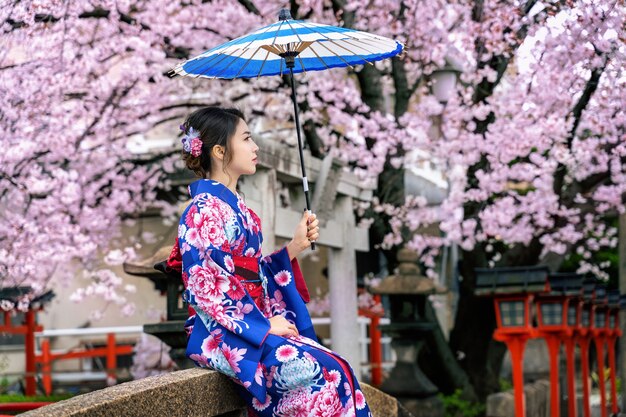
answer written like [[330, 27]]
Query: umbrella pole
[[305, 182]]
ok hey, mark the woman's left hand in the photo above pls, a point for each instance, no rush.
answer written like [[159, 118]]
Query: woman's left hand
[[306, 232]]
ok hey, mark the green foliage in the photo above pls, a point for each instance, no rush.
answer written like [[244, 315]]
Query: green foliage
[[505, 384], [456, 406], [610, 255], [18, 398]]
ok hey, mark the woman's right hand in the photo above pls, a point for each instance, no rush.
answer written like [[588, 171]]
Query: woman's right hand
[[280, 326]]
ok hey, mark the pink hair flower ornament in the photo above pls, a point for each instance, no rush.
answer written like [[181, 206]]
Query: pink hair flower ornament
[[192, 142]]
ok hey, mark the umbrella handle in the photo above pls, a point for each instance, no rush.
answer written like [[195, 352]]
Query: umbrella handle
[[305, 186], [312, 241]]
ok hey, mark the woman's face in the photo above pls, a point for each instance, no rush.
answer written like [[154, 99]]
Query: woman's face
[[243, 151]]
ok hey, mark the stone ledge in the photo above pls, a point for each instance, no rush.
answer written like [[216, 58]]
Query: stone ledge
[[183, 393], [191, 392]]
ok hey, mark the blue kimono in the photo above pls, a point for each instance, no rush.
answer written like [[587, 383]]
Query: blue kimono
[[233, 292]]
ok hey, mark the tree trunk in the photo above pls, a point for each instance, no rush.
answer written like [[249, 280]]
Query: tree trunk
[[471, 339], [439, 363]]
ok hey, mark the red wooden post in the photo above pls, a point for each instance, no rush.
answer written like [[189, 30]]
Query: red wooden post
[[111, 356], [599, 342], [570, 345], [376, 353], [46, 367], [29, 347], [583, 342], [612, 367], [554, 345], [516, 345]]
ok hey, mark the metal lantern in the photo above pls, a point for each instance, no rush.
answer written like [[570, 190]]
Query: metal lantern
[[512, 290]]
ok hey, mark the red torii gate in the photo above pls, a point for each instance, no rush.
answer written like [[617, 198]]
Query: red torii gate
[[28, 328]]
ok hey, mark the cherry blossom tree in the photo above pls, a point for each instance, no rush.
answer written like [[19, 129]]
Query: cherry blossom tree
[[531, 141]]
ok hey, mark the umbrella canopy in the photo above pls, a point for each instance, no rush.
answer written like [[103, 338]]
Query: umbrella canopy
[[315, 46]]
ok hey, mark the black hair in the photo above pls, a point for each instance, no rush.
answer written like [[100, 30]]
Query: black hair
[[216, 126]]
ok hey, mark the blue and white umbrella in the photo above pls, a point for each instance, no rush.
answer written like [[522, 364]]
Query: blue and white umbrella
[[288, 47]]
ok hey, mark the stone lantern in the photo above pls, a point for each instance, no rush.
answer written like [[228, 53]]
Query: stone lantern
[[170, 283], [408, 291]]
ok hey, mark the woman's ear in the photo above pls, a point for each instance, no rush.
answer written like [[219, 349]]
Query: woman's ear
[[218, 152]]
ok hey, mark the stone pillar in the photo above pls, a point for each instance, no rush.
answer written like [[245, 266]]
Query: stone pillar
[[266, 184], [344, 330]]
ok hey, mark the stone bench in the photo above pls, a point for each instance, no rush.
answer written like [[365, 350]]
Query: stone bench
[[502, 404], [191, 392]]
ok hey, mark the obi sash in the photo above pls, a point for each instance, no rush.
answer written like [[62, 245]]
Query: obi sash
[[247, 272]]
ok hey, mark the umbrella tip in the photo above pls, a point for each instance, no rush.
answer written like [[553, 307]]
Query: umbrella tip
[[284, 14]]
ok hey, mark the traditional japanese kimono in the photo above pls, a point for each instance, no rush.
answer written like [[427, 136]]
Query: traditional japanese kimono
[[233, 292]]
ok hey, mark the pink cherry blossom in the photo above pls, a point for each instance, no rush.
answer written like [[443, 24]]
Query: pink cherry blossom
[[82, 88]]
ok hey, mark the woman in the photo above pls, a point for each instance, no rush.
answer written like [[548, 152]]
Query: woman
[[250, 319]]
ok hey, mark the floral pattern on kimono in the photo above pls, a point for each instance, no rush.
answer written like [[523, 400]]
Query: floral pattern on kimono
[[277, 376]]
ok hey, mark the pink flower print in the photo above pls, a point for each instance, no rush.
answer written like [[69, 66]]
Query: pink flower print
[[184, 248], [217, 312], [230, 265], [348, 409], [294, 403], [309, 356], [258, 375], [241, 310], [333, 377], [208, 283], [250, 252], [211, 343], [199, 359], [348, 389], [282, 278], [209, 225], [233, 356], [325, 403], [235, 289], [359, 399], [269, 376], [259, 406], [192, 236], [247, 384], [182, 229], [189, 216], [277, 303], [255, 225], [286, 353]]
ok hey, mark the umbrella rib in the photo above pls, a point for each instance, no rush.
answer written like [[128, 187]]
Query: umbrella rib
[[301, 63], [294, 31], [375, 42], [225, 46], [199, 63], [335, 53], [277, 30], [247, 62], [224, 56], [354, 53], [255, 38], [320, 58], [358, 46], [334, 43], [243, 51], [263, 64]]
